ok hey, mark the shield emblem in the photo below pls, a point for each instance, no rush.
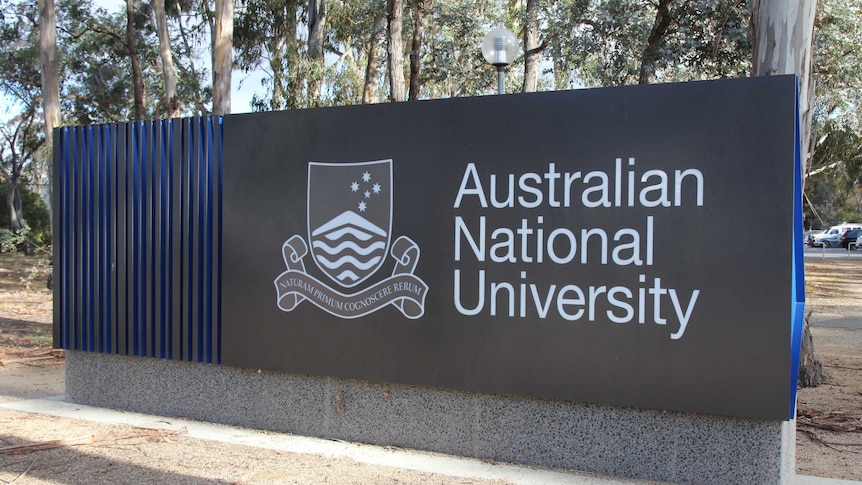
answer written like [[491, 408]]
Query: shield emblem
[[349, 218]]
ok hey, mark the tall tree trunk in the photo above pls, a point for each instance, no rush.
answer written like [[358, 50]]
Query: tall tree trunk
[[222, 56], [531, 47], [198, 99], [561, 76], [13, 179], [294, 97], [782, 35], [137, 78], [169, 75], [316, 24], [418, 8], [372, 67], [276, 64], [395, 20], [660, 26], [50, 92], [13, 202]]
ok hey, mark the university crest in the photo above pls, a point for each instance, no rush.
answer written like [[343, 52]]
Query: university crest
[[349, 220]]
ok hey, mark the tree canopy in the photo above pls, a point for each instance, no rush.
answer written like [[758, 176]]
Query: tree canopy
[[341, 52]]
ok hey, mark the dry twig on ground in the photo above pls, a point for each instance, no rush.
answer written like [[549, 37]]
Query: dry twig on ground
[[829, 420]]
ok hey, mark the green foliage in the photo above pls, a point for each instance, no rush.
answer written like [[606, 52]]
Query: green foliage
[[582, 43], [834, 186], [38, 229], [837, 62]]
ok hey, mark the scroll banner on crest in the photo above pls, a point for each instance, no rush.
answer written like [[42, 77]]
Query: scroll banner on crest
[[403, 289]]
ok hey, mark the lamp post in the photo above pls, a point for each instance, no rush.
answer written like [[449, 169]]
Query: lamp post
[[500, 48]]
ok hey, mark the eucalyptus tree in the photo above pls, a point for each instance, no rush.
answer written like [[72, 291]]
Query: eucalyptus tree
[[19, 143], [418, 15], [838, 63], [782, 39], [48, 63], [266, 37], [531, 46], [395, 49], [169, 75], [137, 78], [620, 42], [222, 56]]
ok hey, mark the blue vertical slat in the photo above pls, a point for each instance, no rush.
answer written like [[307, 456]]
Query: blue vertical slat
[[86, 226], [195, 223], [83, 233], [202, 217], [66, 235], [217, 236], [158, 242], [188, 158], [149, 259], [208, 258], [77, 249], [176, 259], [136, 238], [164, 243], [124, 240], [139, 238], [110, 238], [98, 231]]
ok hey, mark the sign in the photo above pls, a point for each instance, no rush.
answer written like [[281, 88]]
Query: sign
[[629, 246]]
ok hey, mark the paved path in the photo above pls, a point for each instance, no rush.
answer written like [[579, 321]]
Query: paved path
[[372, 455]]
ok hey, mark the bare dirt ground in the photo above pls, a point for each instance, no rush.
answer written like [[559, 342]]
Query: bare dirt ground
[[36, 449], [829, 417]]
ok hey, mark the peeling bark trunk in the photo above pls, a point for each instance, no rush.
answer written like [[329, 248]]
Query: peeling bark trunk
[[169, 75], [50, 92], [782, 36], [16, 208], [372, 67], [395, 14], [222, 56], [531, 47], [137, 78]]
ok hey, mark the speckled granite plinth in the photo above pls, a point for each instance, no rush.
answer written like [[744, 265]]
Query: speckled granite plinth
[[627, 442]]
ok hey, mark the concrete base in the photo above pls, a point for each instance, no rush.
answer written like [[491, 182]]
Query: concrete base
[[626, 442]]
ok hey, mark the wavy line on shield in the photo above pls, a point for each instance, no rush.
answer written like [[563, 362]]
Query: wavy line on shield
[[363, 251], [352, 231], [347, 275], [347, 260]]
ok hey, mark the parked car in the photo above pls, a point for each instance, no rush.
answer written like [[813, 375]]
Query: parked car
[[809, 236], [832, 237], [849, 238]]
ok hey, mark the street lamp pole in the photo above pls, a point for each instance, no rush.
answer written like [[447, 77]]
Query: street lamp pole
[[499, 48]]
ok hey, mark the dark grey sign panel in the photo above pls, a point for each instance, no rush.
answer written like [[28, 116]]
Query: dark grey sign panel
[[623, 246]]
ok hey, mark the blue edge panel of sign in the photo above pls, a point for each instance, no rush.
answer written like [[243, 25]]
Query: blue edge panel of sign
[[798, 272]]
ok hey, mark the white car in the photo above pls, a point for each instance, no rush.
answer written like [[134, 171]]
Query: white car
[[832, 237]]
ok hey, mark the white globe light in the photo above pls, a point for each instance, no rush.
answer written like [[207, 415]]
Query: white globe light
[[500, 47]]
